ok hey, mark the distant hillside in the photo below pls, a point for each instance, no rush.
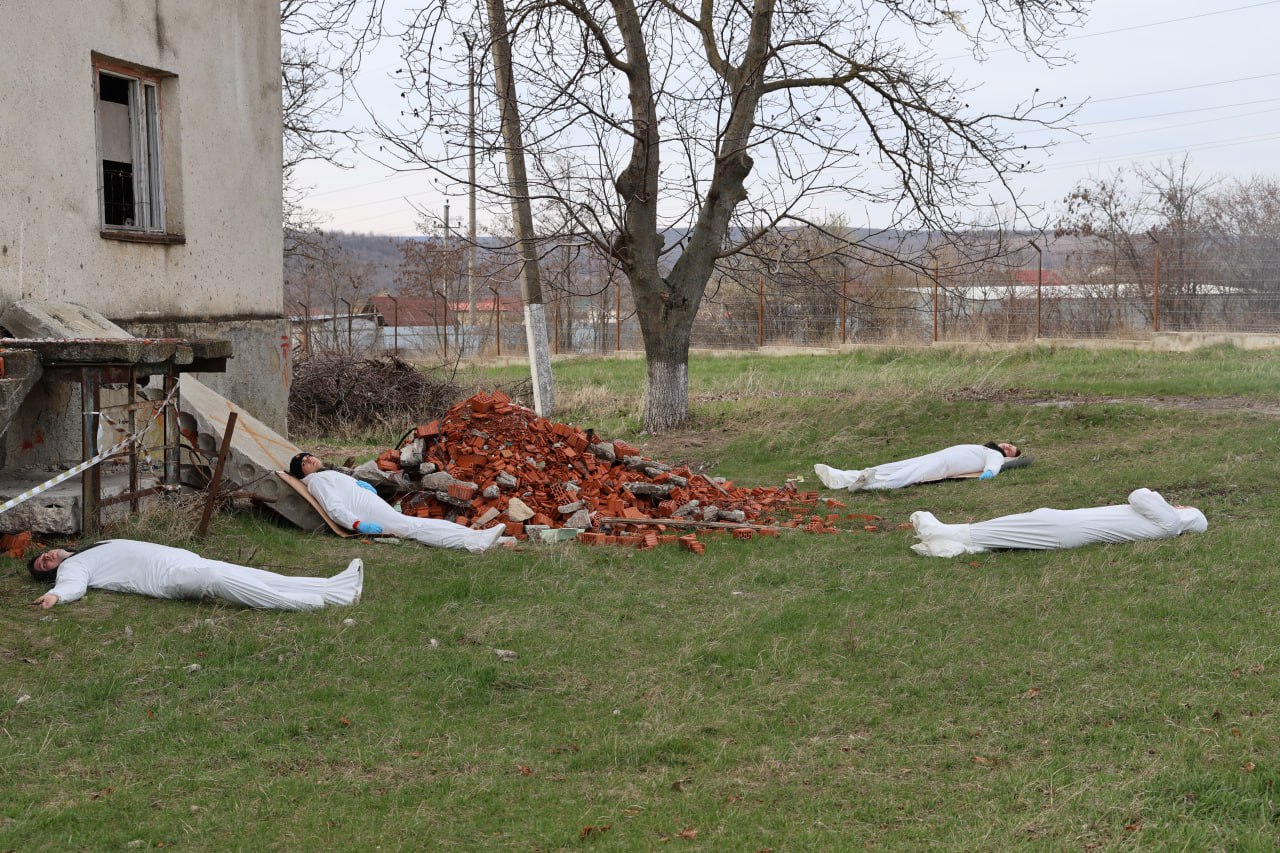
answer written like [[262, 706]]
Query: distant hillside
[[380, 251]]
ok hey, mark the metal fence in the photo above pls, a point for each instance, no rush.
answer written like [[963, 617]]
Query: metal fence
[[988, 314], [896, 306]]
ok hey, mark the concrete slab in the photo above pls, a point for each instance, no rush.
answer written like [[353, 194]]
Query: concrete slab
[[33, 318], [57, 511], [257, 451]]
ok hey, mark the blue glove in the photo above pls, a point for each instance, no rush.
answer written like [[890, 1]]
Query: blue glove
[[367, 527], [986, 475], [362, 484]]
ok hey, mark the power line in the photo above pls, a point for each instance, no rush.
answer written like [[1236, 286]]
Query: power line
[[1182, 124], [1204, 146], [1170, 21], [1185, 88], [1179, 112]]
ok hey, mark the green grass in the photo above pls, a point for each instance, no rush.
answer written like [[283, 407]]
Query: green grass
[[802, 693]]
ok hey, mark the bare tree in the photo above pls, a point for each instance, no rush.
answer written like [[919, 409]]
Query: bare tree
[[1242, 223], [330, 286], [1148, 224], [322, 43], [675, 135]]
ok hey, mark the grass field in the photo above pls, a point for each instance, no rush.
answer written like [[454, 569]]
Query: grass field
[[801, 693]]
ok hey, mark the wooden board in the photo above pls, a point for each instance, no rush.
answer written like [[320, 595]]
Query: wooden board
[[301, 488]]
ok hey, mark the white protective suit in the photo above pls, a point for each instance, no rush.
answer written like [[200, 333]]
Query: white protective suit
[[1147, 515], [939, 465], [123, 565], [347, 503]]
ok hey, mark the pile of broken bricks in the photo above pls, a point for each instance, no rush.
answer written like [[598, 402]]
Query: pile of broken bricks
[[490, 460]]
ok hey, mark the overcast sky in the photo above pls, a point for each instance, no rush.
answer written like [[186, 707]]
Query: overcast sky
[[1160, 77]]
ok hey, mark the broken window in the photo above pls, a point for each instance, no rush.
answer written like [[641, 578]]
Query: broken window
[[131, 186]]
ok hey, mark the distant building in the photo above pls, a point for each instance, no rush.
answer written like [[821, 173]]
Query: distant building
[[418, 324]]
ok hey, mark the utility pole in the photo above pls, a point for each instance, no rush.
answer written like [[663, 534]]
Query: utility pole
[[535, 311], [471, 181], [446, 279]]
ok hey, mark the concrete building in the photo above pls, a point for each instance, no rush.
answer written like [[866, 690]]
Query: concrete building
[[140, 142]]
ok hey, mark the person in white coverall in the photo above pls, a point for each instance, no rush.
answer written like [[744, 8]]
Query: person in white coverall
[[1147, 515], [939, 465], [124, 565], [355, 505]]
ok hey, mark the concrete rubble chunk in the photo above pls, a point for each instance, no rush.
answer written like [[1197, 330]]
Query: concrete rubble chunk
[[370, 473], [604, 450], [427, 468], [411, 455], [710, 513], [507, 481], [662, 490], [518, 510], [735, 515], [686, 510], [490, 492], [438, 480], [570, 508], [580, 519]]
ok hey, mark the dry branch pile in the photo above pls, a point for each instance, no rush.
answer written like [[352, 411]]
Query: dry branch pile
[[332, 392]]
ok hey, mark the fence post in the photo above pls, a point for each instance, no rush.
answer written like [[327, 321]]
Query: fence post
[[1039, 282], [443, 322], [844, 304], [760, 314], [1155, 294], [350, 347], [395, 325], [935, 300], [497, 318]]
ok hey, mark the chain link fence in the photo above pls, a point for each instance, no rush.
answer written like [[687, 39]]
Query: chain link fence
[[888, 305]]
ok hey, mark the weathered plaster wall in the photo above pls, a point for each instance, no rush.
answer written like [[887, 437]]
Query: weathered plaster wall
[[261, 346], [221, 148]]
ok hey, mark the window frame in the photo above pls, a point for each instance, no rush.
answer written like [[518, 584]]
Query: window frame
[[146, 139]]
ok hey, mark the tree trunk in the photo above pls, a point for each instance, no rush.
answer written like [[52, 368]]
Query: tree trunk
[[666, 394], [666, 323]]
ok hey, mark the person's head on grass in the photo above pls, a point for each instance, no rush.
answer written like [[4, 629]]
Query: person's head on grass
[[1010, 451], [44, 566]]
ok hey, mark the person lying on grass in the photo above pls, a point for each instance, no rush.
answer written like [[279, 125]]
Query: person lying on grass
[[961, 460], [125, 565], [1147, 515], [355, 505]]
